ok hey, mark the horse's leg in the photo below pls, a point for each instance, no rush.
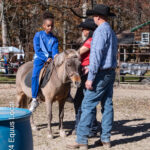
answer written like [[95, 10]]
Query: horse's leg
[[61, 116], [34, 127], [22, 102], [49, 114]]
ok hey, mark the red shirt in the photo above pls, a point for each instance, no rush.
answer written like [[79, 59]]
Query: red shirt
[[86, 56]]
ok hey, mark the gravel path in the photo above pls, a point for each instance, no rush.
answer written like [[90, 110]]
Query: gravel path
[[131, 129]]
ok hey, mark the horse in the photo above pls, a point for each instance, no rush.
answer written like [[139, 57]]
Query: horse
[[66, 69]]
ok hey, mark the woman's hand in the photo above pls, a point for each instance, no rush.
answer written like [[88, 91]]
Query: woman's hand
[[85, 70]]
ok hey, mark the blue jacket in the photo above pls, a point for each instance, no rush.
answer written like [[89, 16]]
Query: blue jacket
[[5, 60], [45, 45]]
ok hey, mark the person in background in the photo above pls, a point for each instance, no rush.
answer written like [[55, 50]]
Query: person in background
[[101, 77], [5, 64], [21, 60], [46, 48], [88, 27]]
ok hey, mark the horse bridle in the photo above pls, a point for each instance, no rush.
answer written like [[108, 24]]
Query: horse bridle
[[68, 74], [68, 81]]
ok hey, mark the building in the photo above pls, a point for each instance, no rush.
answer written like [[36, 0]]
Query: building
[[134, 44], [142, 33], [125, 37]]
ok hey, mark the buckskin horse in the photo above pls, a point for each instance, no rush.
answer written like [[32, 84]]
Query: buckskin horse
[[65, 70]]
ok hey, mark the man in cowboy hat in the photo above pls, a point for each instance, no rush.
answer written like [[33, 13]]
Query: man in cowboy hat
[[100, 80]]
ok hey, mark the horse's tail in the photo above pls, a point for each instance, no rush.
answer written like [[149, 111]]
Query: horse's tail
[[22, 100], [22, 97]]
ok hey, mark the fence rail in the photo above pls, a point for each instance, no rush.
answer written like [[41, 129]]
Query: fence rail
[[137, 59], [130, 54]]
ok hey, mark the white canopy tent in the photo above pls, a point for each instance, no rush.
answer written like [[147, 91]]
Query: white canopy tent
[[13, 50]]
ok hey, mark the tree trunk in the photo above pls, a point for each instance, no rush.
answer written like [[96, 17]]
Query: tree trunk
[[4, 26], [20, 46], [47, 4], [65, 29], [119, 21], [64, 34], [93, 3], [84, 9], [138, 8]]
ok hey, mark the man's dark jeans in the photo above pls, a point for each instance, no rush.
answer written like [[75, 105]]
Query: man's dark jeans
[[102, 93]]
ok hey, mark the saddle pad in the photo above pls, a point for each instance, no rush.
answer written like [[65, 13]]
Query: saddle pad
[[28, 79], [43, 82], [47, 75]]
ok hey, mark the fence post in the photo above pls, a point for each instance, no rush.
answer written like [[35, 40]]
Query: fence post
[[119, 65]]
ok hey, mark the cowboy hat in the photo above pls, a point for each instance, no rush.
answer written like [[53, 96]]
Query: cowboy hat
[[100, 9], [88, 24]]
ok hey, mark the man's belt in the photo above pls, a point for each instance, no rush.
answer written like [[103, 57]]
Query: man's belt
[[108, 69]]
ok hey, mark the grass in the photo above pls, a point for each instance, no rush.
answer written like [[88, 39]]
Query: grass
[[7, 79], [147, 74], [133, 78], [130, 78], [127, 78]]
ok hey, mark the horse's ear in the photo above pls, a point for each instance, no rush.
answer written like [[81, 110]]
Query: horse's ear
[[59, 59]]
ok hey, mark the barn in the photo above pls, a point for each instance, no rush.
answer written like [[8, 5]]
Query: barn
[[142, 33], [134, 51]]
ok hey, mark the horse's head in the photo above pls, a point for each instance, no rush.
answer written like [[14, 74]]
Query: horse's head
[[71, 60]]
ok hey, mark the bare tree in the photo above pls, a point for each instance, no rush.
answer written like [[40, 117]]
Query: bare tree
[[20, 19], [4, 24], [84, 9], [65, 28]]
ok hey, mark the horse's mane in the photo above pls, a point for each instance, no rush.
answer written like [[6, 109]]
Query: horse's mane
[[59, 59], [63, 55]]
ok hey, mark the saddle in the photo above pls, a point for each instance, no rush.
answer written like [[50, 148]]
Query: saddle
[[45, 75]]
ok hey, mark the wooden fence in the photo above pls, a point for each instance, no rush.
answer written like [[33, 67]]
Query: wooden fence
[[127, 53], [135, 55]]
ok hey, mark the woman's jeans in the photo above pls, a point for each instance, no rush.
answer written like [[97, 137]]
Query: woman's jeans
[[102, 92], [77, 105], [6, 69]]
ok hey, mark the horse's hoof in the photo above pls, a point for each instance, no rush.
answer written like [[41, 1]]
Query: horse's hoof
[[50, 136], [62, 133]]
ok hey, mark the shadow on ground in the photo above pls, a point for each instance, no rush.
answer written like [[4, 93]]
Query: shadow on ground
[[119, 127], [67, 125]]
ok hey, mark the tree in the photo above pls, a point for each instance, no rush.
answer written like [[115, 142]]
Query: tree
[[4, 24], [22, 18]]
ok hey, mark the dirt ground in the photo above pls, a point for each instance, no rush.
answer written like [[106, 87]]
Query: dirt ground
[[131, 129]]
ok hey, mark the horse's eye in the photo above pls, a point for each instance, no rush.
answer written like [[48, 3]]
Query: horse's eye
[[69, 65]]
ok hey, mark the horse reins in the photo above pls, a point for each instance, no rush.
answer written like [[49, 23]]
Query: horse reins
[[54, 67], [68, 81]]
